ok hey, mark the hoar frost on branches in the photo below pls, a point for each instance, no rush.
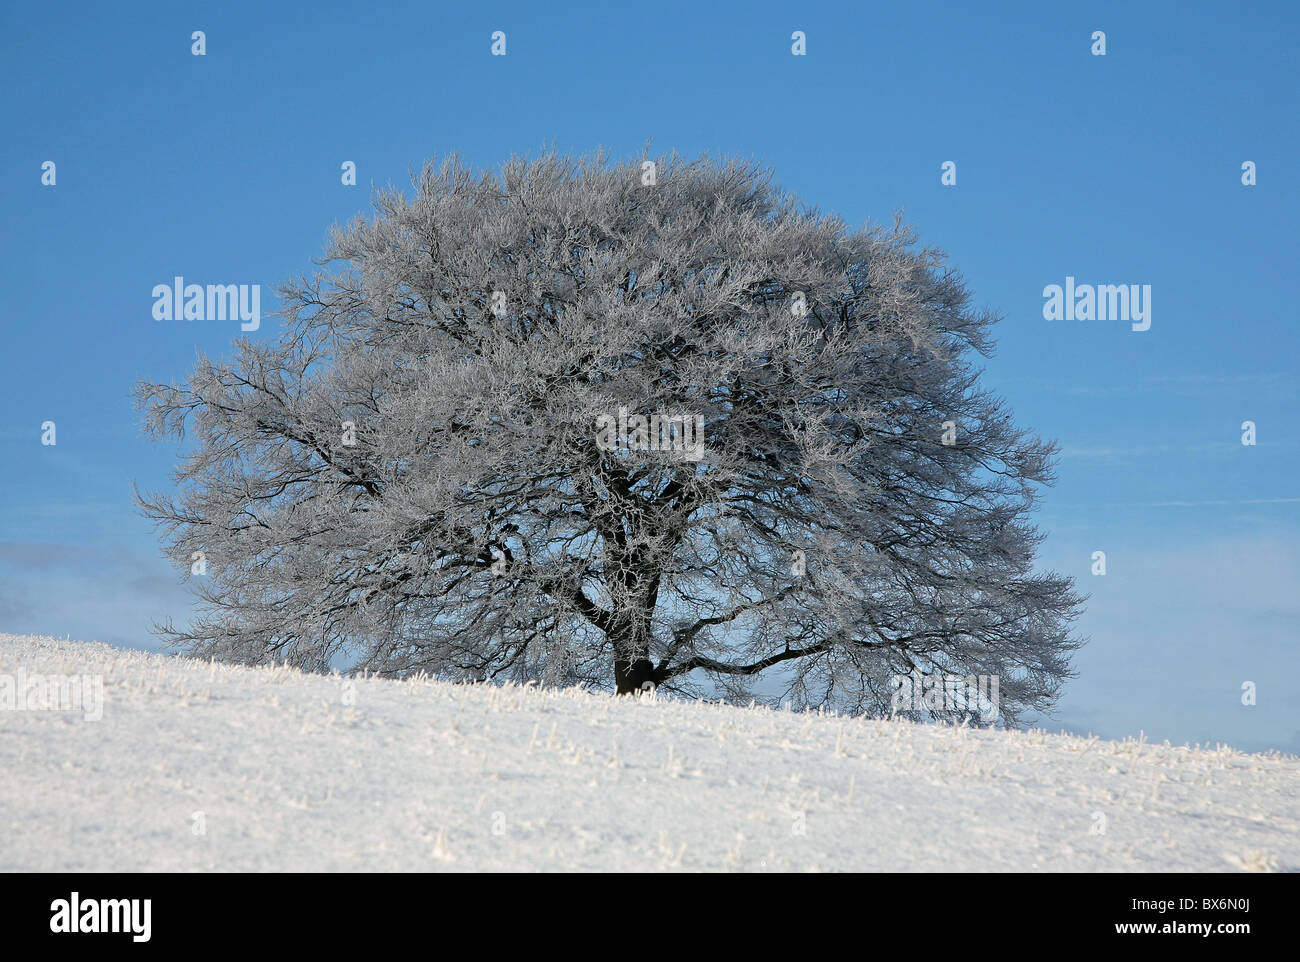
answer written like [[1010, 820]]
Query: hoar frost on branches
[[412, 477]]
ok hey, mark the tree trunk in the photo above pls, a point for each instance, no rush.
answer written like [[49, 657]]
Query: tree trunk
[[632, 665], [630, 676]]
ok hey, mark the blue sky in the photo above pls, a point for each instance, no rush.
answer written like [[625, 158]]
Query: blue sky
[[1122, 169]]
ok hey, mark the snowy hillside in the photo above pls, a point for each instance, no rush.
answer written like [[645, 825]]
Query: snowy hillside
[[198, 767]]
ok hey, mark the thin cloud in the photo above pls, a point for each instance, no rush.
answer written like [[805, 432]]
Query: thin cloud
[[1202, 504], [38, 554], [1107, 452]]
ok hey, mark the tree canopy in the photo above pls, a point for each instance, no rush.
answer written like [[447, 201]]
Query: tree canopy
[[419, 473]]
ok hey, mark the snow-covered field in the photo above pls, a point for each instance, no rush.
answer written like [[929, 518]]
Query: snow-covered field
[[196, 766]]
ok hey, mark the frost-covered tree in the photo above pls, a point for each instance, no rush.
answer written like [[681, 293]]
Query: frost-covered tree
[[440, 464]]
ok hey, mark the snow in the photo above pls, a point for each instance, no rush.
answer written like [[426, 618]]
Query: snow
[[196, 766]]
